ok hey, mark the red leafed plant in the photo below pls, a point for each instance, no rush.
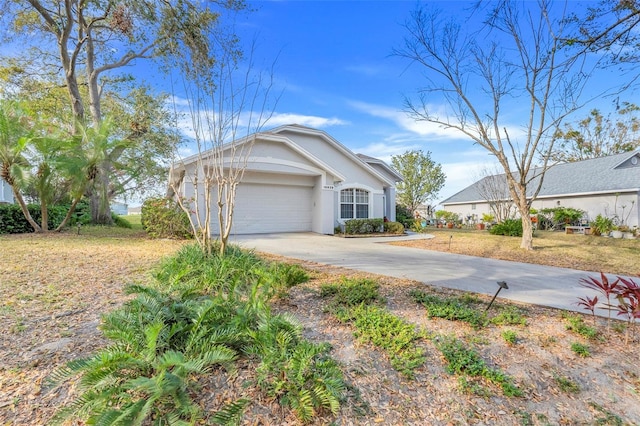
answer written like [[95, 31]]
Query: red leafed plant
[[589, 304], [628, 296], [604, 286]]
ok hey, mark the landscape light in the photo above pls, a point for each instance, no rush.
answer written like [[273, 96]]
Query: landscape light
[[501, 285]]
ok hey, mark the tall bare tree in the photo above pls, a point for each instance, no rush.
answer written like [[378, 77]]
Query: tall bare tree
[[518, 58], [227, 108], [492, 186]]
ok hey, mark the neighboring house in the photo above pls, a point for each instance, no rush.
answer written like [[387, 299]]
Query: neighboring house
[[609, 186], [300, 179], [6, 194], [134, 210], [119, 208]]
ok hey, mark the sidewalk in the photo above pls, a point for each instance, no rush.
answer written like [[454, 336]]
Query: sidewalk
[[528, 283]]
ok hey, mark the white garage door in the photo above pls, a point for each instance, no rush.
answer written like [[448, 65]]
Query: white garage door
[[265, 208]]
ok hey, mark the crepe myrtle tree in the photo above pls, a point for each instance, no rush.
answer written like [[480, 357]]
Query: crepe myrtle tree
[[517, 57], [227, 108]]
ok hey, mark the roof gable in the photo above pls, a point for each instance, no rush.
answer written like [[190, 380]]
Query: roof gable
[[385, 178]]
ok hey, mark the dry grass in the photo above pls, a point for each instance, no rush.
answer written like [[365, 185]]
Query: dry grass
[[53, 289], [582, 252]]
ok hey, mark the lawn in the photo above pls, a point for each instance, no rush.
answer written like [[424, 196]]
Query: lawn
[[582, 252], [443, 362]]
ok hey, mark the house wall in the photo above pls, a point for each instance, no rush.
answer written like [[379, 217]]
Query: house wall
[[355, 175], [6, 194], [472, 209], [323, 208], [605, 204], [608, 205]]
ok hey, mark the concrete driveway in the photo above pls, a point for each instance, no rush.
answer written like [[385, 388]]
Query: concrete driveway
[[535, 284]]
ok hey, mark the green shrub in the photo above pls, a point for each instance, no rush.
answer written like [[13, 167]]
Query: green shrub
[[602, 225], [12, 220], [557, 217], [363, 226], [510, 337], [394, 227], [576, 324], [509, 316], [168, 337], [580, 350], [510, 228], [443, 215], [404, 216], [160, 346], [416, 225], [120, 222], [190, 270], [280, 277], [300, 374], [163, 218]]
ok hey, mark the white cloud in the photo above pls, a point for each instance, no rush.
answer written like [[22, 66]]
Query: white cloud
[[405, 122], [366, 70], [279, 119]]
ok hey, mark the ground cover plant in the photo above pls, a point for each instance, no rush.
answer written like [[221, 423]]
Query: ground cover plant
[[357, 302], [54, 289], [463, 360]]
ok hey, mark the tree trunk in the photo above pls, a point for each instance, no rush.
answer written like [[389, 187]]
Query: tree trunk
[[527, 227], [99, 198], [25, 210], [68, 215], [44, 216]]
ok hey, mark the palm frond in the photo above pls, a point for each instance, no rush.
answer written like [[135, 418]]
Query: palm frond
[[231, 414]]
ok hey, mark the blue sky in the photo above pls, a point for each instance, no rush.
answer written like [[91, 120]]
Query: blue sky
[[337, 74]]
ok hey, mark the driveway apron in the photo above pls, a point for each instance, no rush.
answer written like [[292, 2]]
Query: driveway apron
[[528, 283]]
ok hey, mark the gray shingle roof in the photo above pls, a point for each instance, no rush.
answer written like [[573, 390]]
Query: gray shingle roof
[[598, 175]]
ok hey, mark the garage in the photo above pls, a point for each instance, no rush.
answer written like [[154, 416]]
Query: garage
[[267, 208]]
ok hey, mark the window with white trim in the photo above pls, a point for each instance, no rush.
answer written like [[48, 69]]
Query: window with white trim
[[354, 204]]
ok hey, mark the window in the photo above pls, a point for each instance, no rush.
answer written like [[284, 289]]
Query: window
[[473, 206], [354, 203]]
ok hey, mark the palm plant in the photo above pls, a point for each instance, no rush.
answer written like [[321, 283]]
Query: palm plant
[[121, 386], [299, 373], [14, 166]]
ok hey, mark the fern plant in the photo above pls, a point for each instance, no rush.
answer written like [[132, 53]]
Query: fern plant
[[121, 386], [300, 374]]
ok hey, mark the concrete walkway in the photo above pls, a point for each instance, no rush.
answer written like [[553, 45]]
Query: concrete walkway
[[534, 284]]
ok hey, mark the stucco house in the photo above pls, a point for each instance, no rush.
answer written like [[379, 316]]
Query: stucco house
[[299, 179], [609, 186], [6, 194]]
